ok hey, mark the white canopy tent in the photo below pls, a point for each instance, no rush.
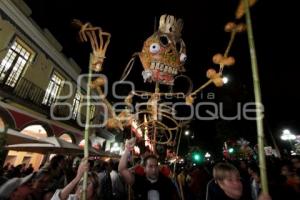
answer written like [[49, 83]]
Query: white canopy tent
[[16, 137], [49, 145]]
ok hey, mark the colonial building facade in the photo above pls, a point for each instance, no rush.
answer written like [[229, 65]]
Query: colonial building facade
[[39, 94]]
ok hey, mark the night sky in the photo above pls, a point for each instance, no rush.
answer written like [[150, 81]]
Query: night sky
[[130, 23]]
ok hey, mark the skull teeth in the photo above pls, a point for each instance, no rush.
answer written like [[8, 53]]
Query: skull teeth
[[157, 66], [163, 68], [152, 66], [166, 69]]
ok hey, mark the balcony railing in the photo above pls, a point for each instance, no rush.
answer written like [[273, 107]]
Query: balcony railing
[[27, 90], [30, 95]]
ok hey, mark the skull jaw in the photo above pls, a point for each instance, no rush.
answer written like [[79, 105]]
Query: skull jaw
[[158, 70], [157, 76]]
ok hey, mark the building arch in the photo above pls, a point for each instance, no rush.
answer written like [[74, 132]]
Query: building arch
[[7, 119], [44, 125], [34, 129]]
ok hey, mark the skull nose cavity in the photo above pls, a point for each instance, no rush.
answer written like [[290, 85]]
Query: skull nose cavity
[[170, 51]]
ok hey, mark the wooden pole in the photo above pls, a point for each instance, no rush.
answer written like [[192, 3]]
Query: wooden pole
[[87, 124], [155, 117], [257, 94], [177, 150]]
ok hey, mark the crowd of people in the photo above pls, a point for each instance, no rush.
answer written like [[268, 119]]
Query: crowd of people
[[61, 178], [118, 179]]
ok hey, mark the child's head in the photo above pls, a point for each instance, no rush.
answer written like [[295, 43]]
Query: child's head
[[227, 177]]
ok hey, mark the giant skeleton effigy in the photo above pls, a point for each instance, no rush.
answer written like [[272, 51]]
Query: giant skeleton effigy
[[163, 57]]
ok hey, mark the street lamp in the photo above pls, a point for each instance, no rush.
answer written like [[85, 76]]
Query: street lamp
[[187, 132], [207, 155], [225, 79], [288, 136]]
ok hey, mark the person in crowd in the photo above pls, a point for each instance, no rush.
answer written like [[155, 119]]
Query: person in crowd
[[255, 185], [3, 178], [76, 184], [152, 185], [118, 187], [56, 166], [29, 169], [199, 178], [277, 180], [181, 179], [26, 188], [7, 166], [227, 185], [14, 172], [106, 182], [292, 179]]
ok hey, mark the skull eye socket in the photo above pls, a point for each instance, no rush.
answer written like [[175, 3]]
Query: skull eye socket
[[154, 48], [178, 46], [164, 40]]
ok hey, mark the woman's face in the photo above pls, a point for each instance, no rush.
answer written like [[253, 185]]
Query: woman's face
[[232, 185]]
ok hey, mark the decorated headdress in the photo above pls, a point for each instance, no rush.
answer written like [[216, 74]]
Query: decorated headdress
[[169, 25]]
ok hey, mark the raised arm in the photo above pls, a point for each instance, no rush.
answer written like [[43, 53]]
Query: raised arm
[[84, 165], [123, 169]]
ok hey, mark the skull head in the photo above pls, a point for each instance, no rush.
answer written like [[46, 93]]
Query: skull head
[[164, 53]]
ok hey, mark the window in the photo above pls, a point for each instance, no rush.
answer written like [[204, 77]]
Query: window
[[76, 103], [92, 111], [14, 62], [53, 89]]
